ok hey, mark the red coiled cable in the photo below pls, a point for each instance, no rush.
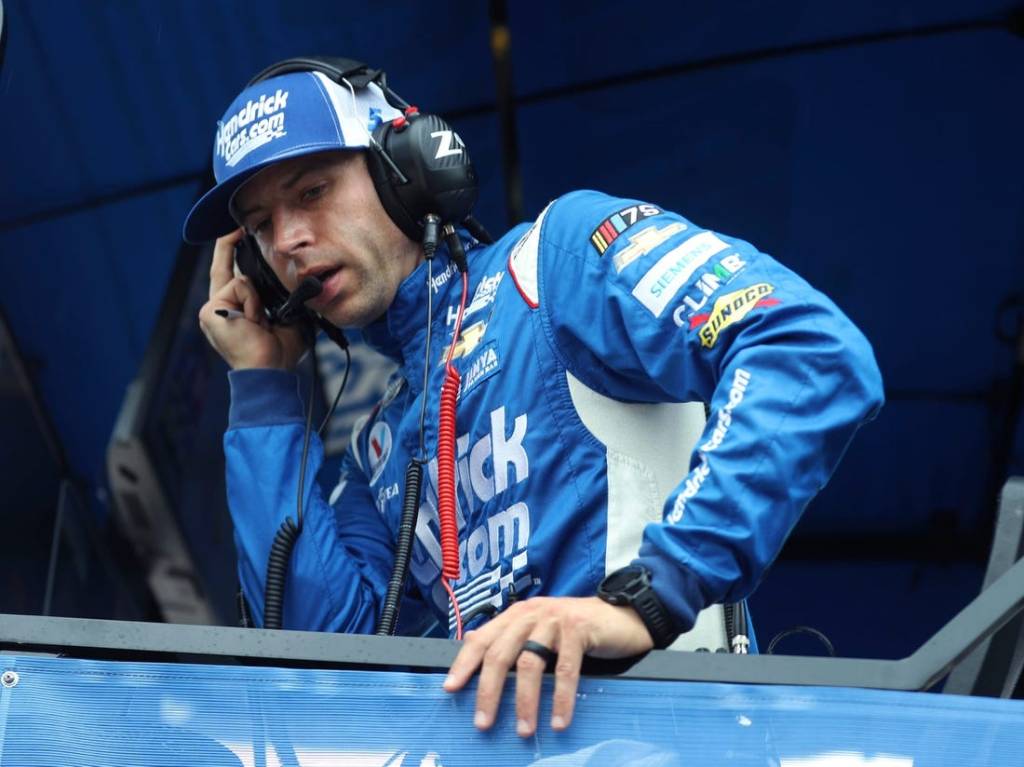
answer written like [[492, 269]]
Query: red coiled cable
[[446, 475], [446, 466]]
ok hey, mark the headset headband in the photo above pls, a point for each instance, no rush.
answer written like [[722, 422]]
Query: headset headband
[[340, 70]]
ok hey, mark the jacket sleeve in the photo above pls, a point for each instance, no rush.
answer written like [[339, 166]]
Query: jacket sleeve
[[652, 308], [338, 571]]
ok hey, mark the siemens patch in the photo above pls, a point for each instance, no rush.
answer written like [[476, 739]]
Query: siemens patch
[[663, 280], [617, 223]]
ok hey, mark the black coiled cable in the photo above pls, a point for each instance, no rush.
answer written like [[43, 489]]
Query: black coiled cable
[[403, 548], [288, 533], [277, 571]]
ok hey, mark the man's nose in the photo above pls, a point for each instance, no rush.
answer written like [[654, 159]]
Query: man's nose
[[292, 234]]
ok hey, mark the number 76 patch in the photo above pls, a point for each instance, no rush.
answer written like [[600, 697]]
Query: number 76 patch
[[617, 223]]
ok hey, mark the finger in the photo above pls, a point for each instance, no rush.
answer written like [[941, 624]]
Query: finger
[[529, 676], [204, 324], [222, 269], [499, 658], [567, 678], [466, 662], [251, 303], [239, 293]]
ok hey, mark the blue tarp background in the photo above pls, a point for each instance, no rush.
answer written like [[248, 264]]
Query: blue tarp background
[[873, 146]]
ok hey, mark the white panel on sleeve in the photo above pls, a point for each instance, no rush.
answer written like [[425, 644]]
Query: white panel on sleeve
[[648, 449]]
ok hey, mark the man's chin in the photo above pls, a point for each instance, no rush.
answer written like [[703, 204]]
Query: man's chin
[[342, 316]]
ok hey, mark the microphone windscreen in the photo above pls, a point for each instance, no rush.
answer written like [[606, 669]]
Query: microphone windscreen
[[309, 288]]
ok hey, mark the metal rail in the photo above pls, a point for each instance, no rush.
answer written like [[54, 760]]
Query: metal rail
[[78, 637]]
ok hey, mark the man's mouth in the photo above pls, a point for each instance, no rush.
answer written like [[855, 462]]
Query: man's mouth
[[330, 288], [325, 274]]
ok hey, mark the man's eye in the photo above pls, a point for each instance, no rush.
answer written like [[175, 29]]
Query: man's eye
[[259, 227], [313, 192]]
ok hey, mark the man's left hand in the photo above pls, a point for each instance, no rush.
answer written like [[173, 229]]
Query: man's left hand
[[569, 626]]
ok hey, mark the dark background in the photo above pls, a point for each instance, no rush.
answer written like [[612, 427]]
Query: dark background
[[873, 146]]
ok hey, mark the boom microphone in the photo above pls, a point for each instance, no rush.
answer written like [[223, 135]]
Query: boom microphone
[[311, 287], [292, 310]]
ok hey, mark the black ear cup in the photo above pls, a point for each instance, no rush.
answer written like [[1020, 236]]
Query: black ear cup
[[250, 263], [435, 173], [386, 180]]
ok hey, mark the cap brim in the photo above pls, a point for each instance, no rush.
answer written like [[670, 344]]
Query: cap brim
[[210, 217]]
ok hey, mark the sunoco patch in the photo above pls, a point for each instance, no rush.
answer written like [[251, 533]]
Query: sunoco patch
[[733, 307]]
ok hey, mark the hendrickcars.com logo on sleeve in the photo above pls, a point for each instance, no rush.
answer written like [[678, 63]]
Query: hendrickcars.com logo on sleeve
[[256, 124]]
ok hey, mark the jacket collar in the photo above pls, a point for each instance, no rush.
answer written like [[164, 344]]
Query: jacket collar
[[400, 333]]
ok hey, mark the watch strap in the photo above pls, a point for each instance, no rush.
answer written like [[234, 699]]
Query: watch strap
[[631, 585], [659, 623]]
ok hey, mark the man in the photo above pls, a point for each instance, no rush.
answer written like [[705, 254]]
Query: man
[[582, 334]]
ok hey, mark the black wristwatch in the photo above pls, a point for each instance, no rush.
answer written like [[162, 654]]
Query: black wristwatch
[[631, 586]]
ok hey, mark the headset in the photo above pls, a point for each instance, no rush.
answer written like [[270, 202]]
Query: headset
[[420, 169]]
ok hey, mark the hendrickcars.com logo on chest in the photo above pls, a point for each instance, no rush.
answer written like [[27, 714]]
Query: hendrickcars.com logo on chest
[[493, 551]]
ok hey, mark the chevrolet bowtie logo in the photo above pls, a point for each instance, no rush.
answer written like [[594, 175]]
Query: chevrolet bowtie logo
[[468, 340], [643, 242]]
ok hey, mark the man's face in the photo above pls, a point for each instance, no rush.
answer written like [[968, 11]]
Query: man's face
[[320, 215]]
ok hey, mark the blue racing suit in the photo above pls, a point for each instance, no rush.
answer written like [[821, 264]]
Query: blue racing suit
[[582, 334]]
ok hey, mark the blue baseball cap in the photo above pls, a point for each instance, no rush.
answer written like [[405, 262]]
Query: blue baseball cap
[[287, 116]]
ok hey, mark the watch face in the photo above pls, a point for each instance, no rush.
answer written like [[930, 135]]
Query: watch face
[[632, 586], [623, 584]]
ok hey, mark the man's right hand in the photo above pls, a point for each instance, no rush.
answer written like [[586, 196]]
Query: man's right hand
[[249, 341]]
